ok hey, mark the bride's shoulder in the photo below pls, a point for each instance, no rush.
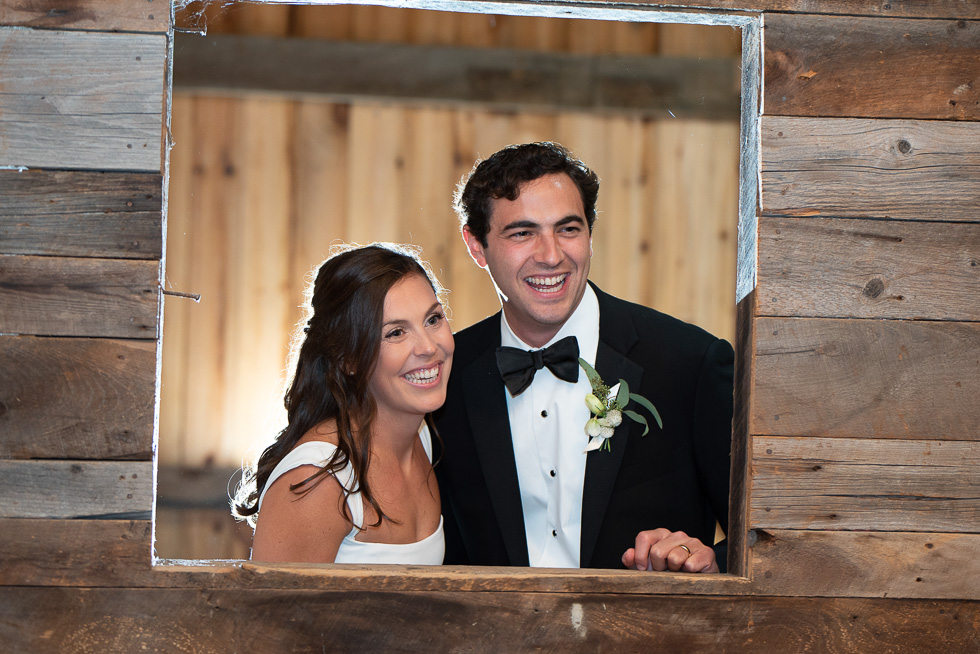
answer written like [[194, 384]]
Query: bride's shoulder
[[324, 432]]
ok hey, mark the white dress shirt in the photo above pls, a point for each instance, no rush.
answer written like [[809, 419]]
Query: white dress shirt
[[547, 424]]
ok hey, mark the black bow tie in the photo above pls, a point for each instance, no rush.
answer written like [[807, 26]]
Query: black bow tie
[[517, 367]]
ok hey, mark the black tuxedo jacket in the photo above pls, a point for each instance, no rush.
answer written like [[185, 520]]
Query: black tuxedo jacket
[[676, 478]]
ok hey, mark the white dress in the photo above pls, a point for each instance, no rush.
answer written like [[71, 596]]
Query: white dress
[[428, 551]]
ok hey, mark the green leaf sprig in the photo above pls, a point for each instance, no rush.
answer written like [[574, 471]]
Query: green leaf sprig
[[607, 410]]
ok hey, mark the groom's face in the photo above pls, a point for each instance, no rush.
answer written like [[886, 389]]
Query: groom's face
[[538, 253]]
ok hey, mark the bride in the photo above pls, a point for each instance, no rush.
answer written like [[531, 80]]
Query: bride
[[349, 479]]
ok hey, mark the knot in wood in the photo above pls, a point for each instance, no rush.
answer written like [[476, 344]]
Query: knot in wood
[[904, 146], [874, 288]]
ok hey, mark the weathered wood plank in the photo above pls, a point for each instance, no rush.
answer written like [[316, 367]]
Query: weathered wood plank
[[294, 576], [81, 100], [50, 296], [102, 15], [76, 398], [76, 489], [846, 66], [866, 378], [81, 214], [866, 564], [101, 553], [825, 267], [877, 8], [749, 188], [131, 620], [876, 484], [738, 509], [186, 532], [75, 552], [891, 8], [505, 79], [901, 169]]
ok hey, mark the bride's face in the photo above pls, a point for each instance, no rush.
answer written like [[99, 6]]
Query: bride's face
[[416, 350]]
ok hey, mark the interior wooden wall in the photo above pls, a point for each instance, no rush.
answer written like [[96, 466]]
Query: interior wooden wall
[[859, 371], [260, 189], [262, 185]]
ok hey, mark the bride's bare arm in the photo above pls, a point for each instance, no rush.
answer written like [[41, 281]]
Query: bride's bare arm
[[306, 528]]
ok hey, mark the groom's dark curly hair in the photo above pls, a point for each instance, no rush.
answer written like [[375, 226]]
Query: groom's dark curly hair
[[502, 174]]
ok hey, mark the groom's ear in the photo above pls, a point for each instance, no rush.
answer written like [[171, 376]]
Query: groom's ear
[[475, 247]]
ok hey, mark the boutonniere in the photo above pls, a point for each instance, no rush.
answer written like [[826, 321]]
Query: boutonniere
[[607, 413]]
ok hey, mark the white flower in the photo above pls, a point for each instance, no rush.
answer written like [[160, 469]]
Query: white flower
[[594, 444], [595, 404], [606, 415]]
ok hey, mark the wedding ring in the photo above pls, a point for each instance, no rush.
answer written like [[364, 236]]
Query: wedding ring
[[686, 549]]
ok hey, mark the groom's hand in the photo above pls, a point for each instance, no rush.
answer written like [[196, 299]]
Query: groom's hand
[[660, 549]]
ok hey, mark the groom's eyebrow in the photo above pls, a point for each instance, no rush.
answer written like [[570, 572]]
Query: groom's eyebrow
[[573, 218], [525, 223], [520, 224]]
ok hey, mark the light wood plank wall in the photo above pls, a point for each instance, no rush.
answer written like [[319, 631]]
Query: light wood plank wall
[[858, 356], [262, 186]]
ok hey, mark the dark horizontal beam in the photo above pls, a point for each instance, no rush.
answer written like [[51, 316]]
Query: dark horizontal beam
[[203, 487], [502, 79]]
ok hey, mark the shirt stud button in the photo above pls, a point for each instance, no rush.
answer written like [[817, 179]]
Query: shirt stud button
[[544, 414], [553, 473], [554, 533]]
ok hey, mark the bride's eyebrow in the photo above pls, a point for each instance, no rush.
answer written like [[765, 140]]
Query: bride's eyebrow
[[405, 321]]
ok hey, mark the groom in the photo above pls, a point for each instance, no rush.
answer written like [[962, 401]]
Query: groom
[[517, 486]]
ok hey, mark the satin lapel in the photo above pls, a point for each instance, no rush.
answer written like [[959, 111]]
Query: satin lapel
[[486, 408], [616, 336]]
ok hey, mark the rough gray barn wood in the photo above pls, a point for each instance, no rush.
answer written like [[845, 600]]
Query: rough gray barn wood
[[129, 620], [826, 66], [106, 15], [858, 167], [884, 564], [897, 388], [53, 296], [869, 268], [866, 378], [78, 398], [865, 484], [85, 214], [75, 489], [59, 112]]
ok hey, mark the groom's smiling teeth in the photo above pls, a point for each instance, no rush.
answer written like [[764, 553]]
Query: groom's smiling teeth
[[422, 377], [547, 284]]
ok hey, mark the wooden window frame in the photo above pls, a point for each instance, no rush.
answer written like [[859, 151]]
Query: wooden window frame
[[413, 578]]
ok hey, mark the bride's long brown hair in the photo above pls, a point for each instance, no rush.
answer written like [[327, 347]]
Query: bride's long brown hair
[[336, 358]]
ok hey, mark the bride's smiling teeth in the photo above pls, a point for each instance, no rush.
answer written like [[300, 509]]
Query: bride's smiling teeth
[[547, 284], [423, 376]]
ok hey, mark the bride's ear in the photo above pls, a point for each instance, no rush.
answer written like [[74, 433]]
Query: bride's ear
[[349, 367]]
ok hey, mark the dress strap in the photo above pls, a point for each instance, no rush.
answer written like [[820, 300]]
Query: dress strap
[[317, 453]]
